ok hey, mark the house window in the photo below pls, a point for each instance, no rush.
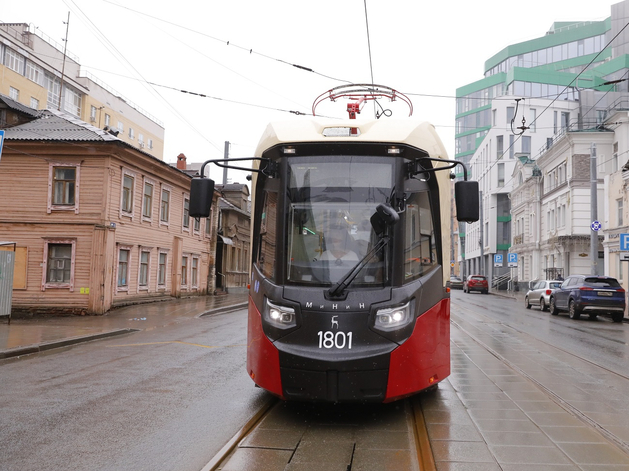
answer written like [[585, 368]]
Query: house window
[[128, 182], [53, 85], [14, 93], [184, 271], [499, 147], [124, 258], [147, 201], [72, 100], [143, 275], [120, 126], [59, 264], [34, 73], [615, 157], [63, 184], [141, 140], [164, 206], [131, 133], [197, 225], [619, 212], [195, 272], [186, 213], [161, 269], [107, 119], [92, 113], [150, 143], [34, 103], [510, 114], [526, 145], [501, 175], [13, 60]]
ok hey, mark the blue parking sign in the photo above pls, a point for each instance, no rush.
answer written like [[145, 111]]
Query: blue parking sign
[[624, 242], [498, 260], [512, 259]]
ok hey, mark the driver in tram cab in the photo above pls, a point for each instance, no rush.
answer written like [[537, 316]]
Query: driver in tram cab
[[338, 243]]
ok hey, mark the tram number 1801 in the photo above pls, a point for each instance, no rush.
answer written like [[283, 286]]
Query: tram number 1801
[[339, 340]]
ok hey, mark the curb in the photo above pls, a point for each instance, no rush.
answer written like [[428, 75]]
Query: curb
[[26, 350], [219, 310]]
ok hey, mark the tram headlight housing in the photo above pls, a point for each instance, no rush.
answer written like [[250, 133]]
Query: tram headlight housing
[[282, 317], [393, 318]]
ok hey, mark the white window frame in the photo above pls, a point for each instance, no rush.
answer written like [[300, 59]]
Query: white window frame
[[144, 287], [14, 93], [169, 190], [123, 212], [195, 259], [160, 252], [185, 275], [184, 228], [152, 183], [34, 103], [45, 284], [129, 248], [66, 207]]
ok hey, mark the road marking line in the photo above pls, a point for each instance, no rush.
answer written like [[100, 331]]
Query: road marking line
[[173, 341]]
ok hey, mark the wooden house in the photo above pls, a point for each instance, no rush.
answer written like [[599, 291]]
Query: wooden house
[[98, 223]]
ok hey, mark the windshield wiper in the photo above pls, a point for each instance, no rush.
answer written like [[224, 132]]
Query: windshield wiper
[[384, 217]]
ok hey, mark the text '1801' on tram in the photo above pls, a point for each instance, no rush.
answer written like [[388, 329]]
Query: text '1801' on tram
[[349, 297]]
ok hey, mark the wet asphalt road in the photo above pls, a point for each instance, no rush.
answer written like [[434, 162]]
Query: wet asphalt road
[[162, 399], [600, 341]]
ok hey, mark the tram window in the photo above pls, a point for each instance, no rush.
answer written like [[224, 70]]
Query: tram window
[[419, 237], [268, 240]]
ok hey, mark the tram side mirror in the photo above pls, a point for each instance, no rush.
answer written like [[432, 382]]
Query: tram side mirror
[[201, 193], [384, 216], [467, 201]]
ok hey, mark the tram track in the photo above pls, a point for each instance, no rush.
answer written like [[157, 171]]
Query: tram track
[[565, 404], [288, 435]]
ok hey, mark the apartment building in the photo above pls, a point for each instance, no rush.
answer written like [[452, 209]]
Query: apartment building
[[35, 71], [534, 95]]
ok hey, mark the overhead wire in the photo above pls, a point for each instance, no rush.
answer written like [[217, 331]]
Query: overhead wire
[[519, 136], [103, 38]]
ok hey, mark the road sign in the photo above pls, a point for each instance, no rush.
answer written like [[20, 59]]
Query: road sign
[[498, 260], [596, 226], [512, 260], [624, 257], [624, 242]]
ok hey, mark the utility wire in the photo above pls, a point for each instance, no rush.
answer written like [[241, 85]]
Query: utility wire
[[152, 90], [227, 42]]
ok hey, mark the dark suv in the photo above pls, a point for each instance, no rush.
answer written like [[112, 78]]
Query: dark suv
[[592, 295], [476, 283]]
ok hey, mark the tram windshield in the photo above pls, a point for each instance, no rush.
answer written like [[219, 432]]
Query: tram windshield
[[331, 201]]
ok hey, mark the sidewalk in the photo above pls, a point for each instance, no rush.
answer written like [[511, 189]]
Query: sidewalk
[[24, 336]]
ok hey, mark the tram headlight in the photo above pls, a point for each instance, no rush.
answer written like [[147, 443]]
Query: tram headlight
[[393, 318], [282, 317]]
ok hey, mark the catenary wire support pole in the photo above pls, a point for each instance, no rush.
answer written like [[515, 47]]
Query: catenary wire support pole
[[63, 66], [481, 236], [593, 210]]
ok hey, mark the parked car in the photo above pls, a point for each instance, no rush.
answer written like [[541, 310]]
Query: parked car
[[476, 283], [539, 293], [456, 282], [592, 295]]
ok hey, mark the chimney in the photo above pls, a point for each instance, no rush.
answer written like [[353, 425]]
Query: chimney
[[181, 162]]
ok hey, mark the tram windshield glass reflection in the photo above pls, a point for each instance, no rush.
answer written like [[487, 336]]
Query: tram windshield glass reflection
[[331, 201]]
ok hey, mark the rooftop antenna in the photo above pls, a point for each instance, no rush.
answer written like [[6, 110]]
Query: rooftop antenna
[[63, 67]]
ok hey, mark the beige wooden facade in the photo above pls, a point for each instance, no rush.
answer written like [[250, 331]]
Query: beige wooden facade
[[89, 253]]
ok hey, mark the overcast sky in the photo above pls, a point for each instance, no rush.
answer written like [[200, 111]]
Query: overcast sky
[[426, 49]]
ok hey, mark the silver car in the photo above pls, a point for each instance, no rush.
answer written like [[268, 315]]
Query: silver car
[[539, 293]]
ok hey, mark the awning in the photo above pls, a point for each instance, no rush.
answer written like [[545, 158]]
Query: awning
[[226, 240]]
